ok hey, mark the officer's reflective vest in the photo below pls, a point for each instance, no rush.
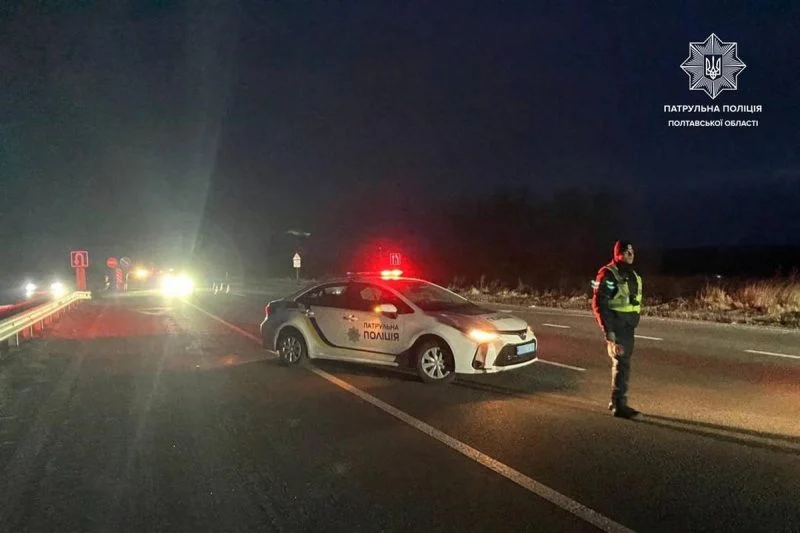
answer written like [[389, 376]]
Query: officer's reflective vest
[[621, 302]]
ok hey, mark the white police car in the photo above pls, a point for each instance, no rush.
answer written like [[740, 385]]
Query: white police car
[[396, 321]]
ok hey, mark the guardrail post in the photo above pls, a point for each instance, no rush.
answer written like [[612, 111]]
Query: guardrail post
[[14, 340]]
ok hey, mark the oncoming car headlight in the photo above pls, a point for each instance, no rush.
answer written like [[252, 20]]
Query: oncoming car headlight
[[30, 290], [481, 336], [181, 285], [57, 289]]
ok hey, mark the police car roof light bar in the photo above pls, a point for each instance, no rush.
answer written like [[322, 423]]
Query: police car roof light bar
[[385, 274]]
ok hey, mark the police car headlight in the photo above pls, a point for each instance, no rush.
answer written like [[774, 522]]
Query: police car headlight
[[481, 336]]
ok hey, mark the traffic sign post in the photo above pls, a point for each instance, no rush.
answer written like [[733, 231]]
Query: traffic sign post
[[119, 279], [112, 263], [296, 265], [79, 260], [125, 265]]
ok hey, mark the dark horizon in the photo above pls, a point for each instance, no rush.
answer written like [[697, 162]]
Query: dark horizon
[[168, 130]]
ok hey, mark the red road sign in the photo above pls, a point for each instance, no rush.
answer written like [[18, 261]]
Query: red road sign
[[394, 259], [111, 262], [79, 259]]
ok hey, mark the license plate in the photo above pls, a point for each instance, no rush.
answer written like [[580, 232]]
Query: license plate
[[523, 349]]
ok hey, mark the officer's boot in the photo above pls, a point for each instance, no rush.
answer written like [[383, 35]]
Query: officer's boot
[[631, 412], [620, 410]]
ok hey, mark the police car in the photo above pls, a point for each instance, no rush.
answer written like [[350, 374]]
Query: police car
[[387, 319]]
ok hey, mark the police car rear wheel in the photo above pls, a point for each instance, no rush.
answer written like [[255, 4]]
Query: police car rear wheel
[[434, 363], [291, 348]]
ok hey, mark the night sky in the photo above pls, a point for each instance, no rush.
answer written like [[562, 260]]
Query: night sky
[[155, 128]]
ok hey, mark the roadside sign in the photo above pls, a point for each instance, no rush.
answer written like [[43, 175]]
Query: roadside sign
[[125, 263], [111, 262], [79, 259], [119, 279], [394, 259], [296, 265]]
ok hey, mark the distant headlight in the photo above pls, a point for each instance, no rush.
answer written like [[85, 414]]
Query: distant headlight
[[57, 289], [30, 289], [177, 285], [481, 336]]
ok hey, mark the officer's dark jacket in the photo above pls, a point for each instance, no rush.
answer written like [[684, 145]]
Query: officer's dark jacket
[[605, 289]]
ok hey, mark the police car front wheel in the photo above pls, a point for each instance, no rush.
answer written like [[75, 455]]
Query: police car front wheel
[[291, 348], [434, 363]]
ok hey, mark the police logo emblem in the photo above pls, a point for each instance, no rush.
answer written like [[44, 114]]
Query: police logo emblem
[[713, 66]]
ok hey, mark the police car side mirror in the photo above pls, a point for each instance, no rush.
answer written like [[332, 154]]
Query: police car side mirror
[[386, 309]]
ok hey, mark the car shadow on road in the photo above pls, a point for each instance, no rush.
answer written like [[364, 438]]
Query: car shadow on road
[[516, 385], [519, 383], [360, 369], [719, 432]]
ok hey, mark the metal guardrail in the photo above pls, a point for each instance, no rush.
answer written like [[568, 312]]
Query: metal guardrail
[[36, 318]]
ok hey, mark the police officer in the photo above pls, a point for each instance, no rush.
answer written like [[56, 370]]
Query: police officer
[[617, 303]]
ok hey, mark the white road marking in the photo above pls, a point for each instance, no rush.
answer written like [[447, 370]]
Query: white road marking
[[555, 325], [648, 338], [562, 365], [774, 354], [543, 491], [228, 324], [564, 502]]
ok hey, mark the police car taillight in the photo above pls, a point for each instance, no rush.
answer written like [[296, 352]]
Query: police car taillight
[[391, 274]]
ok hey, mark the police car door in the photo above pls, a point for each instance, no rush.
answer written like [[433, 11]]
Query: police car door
[[377, 336], [329, 316]]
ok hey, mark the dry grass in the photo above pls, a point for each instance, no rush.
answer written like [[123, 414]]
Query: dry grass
[[768, 302]]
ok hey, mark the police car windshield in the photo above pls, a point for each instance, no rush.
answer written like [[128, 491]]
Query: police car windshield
[[429, 297]]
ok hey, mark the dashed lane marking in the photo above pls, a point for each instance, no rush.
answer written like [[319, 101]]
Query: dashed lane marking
[[562, 365], [774, 354]]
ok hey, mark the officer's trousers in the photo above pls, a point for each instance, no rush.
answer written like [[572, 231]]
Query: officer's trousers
[[621, 365]]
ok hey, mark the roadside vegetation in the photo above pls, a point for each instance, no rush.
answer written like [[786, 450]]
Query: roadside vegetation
[[774, 302]]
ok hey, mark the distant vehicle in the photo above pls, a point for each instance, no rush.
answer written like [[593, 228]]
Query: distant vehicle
[[43, 289], [391, 320]]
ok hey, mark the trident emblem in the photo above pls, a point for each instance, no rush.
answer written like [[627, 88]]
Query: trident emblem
[[713, 66]]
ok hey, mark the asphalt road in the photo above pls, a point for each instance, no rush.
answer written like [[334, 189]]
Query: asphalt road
[[140, 414]]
